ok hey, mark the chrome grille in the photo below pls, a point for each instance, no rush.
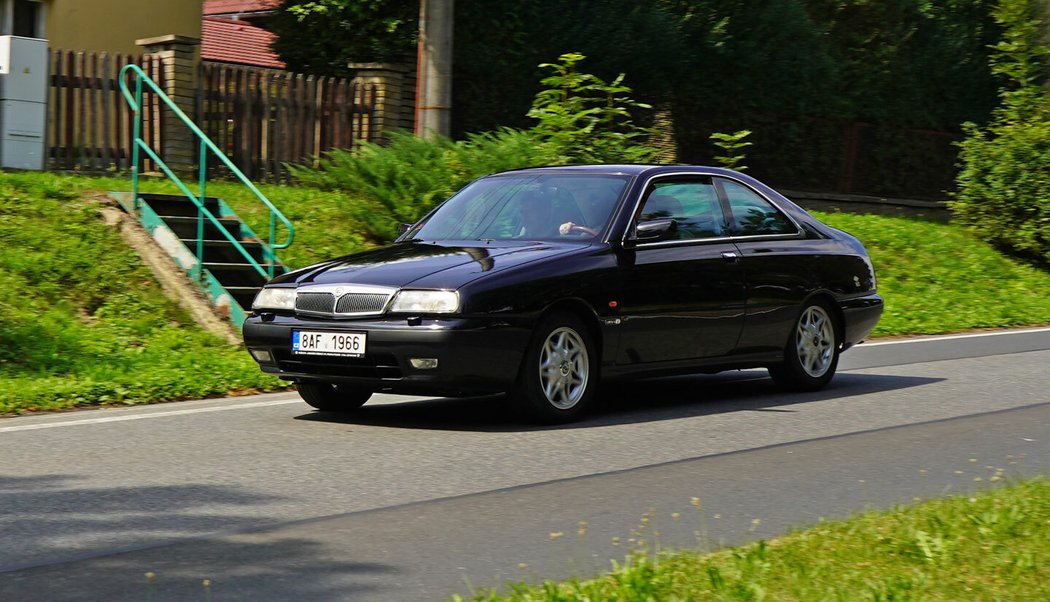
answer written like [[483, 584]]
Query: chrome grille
[[355, 303], [322, 303], [342, 300]]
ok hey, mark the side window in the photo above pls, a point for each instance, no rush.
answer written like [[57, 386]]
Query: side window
[[692, 203], [752, 214]]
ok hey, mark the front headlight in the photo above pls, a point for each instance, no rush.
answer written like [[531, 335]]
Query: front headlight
[[275, 298], [425, 302]]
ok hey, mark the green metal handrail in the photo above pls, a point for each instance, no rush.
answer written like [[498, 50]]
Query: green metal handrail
[[205, 145]]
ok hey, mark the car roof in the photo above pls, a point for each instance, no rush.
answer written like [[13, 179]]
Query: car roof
[[621, 169]]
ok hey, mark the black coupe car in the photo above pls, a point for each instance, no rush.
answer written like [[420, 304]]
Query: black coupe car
[[542, 282]]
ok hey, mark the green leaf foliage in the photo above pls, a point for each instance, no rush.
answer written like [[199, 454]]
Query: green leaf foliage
[[732, 146], [323, 36], [1004, 183], [586, 119]]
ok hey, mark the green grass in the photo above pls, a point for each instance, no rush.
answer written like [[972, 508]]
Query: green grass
[[82, 321], [988, 546], [939, 278]]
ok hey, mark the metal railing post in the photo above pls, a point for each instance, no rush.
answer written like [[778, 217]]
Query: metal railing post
[[136, 140], [273, 235], [202, 183]]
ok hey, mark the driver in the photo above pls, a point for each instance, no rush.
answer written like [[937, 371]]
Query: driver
[[538, 219]]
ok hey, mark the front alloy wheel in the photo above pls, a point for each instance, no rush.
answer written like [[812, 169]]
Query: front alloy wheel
[[559, 372], [564, 368], [812, 353]]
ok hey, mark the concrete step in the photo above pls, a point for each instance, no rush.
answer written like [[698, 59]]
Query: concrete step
[[186, 227], [235, 274], [171, 204], [223, 251]]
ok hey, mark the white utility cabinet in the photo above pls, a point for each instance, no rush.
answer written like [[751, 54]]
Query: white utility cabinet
[[23, 102]]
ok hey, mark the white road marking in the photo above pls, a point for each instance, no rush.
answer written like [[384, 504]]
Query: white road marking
[[949, 337], [239, 406]]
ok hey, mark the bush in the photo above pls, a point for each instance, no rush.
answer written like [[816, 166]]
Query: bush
[[1004, 183], [400, 182], [586, 119]]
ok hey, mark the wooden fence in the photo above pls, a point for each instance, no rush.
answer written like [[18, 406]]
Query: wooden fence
[[89, 124], [263, 119]]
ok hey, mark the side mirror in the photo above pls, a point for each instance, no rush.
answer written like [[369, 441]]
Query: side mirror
[[655, 229], [402, 228]]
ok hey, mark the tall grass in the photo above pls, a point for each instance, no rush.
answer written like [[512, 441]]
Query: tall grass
[[988, 546]]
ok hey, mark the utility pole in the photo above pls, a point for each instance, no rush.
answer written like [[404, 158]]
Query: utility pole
[[434, 69]]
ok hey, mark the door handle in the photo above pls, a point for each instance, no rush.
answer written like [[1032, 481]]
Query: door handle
[[730, 256]]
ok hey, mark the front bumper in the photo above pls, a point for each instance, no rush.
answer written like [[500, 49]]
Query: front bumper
[[474, 356]]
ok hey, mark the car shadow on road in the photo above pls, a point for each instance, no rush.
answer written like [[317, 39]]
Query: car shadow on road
[[647, 400]]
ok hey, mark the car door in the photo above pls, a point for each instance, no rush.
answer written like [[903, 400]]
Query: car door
[[681, 297], [777, 261]]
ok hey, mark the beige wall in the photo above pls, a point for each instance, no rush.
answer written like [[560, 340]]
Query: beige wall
[[114, 25]]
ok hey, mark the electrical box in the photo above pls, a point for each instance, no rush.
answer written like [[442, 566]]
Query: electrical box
[[23, 102]]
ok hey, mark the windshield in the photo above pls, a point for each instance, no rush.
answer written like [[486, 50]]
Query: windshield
[[527, 207]]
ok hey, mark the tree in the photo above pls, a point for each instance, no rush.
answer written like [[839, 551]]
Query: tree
[[497, 50], [1004, 184], [323, 36], [797, 73], [909, 62]]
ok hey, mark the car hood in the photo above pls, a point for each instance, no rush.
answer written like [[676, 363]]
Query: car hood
[[426, 265]]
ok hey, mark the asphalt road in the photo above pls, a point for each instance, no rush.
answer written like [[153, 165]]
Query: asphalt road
[[418, 499]]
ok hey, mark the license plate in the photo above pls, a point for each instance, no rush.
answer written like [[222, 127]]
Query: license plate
[[311, 342]]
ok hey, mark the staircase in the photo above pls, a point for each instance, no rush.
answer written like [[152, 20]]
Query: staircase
[[202, 234], [216, 263]]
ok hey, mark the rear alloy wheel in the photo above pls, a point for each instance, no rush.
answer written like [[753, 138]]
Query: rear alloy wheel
[[812, 353], [559, 374], [329, 397]]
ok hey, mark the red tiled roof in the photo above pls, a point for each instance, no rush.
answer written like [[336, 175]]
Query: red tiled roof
[[226, 7], [230, 41]]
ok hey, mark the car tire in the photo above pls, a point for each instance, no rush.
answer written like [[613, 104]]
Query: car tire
[[811, 354], [329, 397], [559, 374]]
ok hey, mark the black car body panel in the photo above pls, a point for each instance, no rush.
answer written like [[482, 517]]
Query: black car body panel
[[663, 307]]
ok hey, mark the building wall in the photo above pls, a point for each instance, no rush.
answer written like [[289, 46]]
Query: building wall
[[114, 25]]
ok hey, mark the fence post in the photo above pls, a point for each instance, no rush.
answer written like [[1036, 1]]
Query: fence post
[[177, 54], [395, 97]]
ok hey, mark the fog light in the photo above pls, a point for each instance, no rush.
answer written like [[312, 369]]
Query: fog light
[[423, 363], [262, 356]]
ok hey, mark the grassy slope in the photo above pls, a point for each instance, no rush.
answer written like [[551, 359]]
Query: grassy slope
[[83, 322], [991, 546], [939, 278]]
